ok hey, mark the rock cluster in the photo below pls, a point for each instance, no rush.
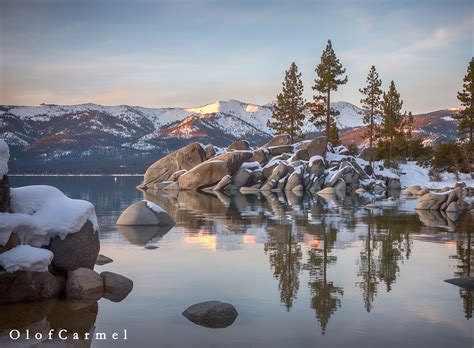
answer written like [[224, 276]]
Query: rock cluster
[[449, 201], [310, 165], [49, 244]]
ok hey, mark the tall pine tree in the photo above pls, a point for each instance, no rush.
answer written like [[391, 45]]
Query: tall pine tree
[[392, 119], [288, 113], [329, 73], [371, 104], [465, 117]]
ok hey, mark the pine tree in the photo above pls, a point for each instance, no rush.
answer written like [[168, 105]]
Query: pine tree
[[288, 113], [392, 119], [465, 117], [371, 104], [328, 72]]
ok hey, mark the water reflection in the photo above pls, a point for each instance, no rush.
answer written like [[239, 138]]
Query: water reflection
[[77, 319], [299, 234]]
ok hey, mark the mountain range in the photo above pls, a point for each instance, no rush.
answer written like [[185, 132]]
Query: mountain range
[[91, 138]]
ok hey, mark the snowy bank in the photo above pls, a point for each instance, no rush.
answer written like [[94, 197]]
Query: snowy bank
[[26, 258]]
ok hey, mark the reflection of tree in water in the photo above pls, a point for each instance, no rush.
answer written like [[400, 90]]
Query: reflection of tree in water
[[285, 259], [465, 263], [386, 245], [368, 268], [326, 297]]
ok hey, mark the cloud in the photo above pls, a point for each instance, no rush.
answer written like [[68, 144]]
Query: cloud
[[444, 36]]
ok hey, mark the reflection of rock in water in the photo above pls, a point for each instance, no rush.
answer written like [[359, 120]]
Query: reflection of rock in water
[[75, 317], [436, 218], [141, 235]]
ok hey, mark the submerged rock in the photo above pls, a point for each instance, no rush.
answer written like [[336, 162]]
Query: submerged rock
[[212, 314], [103, 260], [463, 282]]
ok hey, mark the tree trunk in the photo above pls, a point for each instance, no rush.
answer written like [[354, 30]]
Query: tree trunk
[[371, 134], [328, 120]]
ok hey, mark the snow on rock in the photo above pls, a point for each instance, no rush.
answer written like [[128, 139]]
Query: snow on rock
[[41, 212], [155, 207], [26, 258], [4, 157]]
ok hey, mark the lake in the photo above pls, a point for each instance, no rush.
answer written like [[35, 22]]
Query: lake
[[301, 271]]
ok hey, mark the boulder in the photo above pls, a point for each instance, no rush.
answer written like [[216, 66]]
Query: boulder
[[411, 190], [103, 260], [174, 186], [223, 183], [212, 314], [210, 152], [23, 286], [302, 154], [278, 150], [260, 156], [327, 191], [316, 165], [77, 250], [424, 205], [116, 286], [145, 213], [279, 172], [282, 139], [239, 145], [293, 181], [453, 208], [298, 188], [84, 284], [268, 169], [4, 194], [368, 169], [317, 147], [186, 157], [242, 178], [340, 186], [204, 175], [234, 160], [175, 176], [393, 184]]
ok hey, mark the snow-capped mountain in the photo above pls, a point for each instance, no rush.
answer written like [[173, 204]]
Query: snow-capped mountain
[[96, 138]]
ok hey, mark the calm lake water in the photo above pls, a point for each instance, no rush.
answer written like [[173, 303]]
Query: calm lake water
[[301, 271]]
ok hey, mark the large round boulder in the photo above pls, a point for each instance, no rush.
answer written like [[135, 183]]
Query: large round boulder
[[185, 158], [77, 250], [212, 314], [233, 160], [145, 213]]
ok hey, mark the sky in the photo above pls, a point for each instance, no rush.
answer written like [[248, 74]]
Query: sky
[[191, 53]]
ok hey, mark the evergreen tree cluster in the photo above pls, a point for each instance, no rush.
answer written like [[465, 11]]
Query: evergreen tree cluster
[[389, 129]]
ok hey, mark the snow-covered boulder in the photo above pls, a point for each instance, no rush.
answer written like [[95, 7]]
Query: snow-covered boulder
[[239, 145], [145, 213], [41, 212]]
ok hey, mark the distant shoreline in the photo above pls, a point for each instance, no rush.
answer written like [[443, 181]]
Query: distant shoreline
[[75, 174]]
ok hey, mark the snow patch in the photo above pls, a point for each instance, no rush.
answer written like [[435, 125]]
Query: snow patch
[[4, 157], [155, 207], [26, 258]]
